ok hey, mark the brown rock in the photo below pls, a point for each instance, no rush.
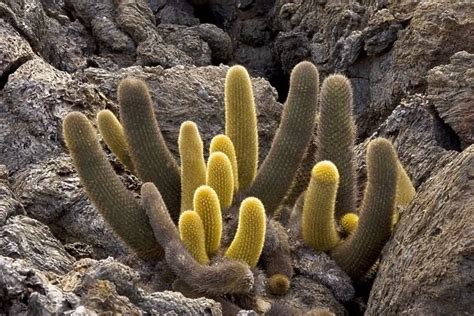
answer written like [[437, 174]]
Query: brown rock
[[451, 92], [427, 267]]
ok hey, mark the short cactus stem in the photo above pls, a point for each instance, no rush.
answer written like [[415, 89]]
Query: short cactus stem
[[250, 237], [206, 204], [222, 143], [220, 178], [191, 231], [349, 222], [318, 223]]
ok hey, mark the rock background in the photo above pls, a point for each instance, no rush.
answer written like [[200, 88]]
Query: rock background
[[411, 65]]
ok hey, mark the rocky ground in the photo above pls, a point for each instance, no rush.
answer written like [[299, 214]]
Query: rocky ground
[[411, 64]]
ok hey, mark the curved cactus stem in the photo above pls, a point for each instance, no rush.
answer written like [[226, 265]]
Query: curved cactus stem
[[241, 123], [151, 157], [104, 188], [318, 223], [221, 278], [193, 166], [220, 178], [336, 137], [250, 237], [114, 136], [357, 254], [275, 176]]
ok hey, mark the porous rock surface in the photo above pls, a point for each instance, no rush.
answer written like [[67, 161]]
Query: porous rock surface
[[410, 63]]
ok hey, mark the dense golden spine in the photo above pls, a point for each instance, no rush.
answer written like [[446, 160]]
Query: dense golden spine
[[193, 166], [152, 160], [191, 231], [222, 143], [335, 138], [405, 189], [275, 176], [206, 204], [241, 123], [349, 222], [220, 178], [318, 223], [222, 277], [357, 254], [114, 136], [104, 188], [250, 237]]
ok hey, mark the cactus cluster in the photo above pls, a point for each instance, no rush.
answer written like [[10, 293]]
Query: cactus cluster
[[330, 198], [180, 214]]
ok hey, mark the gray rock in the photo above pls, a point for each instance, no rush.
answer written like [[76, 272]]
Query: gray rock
[[28, 291], [174, 303], [451, 92], [14, 51], [51, 192], [25, 238], [427, 266], [9, 205], [47, 29], [34, 101]]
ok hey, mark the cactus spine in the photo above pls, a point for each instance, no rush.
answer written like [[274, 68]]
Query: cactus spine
[[114, 136], [349, 222], [191, 231], [277, 172], [193, 166], [241, 123], [336, 136], [220, 178], [104, 188], [250, 237], [318, 223], [220, 278], [222, 143], [151, 157], [358, 253], [206, 204]]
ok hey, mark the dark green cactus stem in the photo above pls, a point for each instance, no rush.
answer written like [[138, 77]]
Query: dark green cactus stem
[[104, 188], [275, 176], [221, 278], [151, 157], [336, 136], [359, 252]]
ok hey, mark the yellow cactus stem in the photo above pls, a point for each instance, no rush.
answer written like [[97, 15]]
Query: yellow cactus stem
[[222, 143], [191, 231], [220, 178], [114, 136], [349, 222], [278, 284], [193, 166], [318, 223], [241, 123], [206, 204], [405, 189], [250, 237]]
